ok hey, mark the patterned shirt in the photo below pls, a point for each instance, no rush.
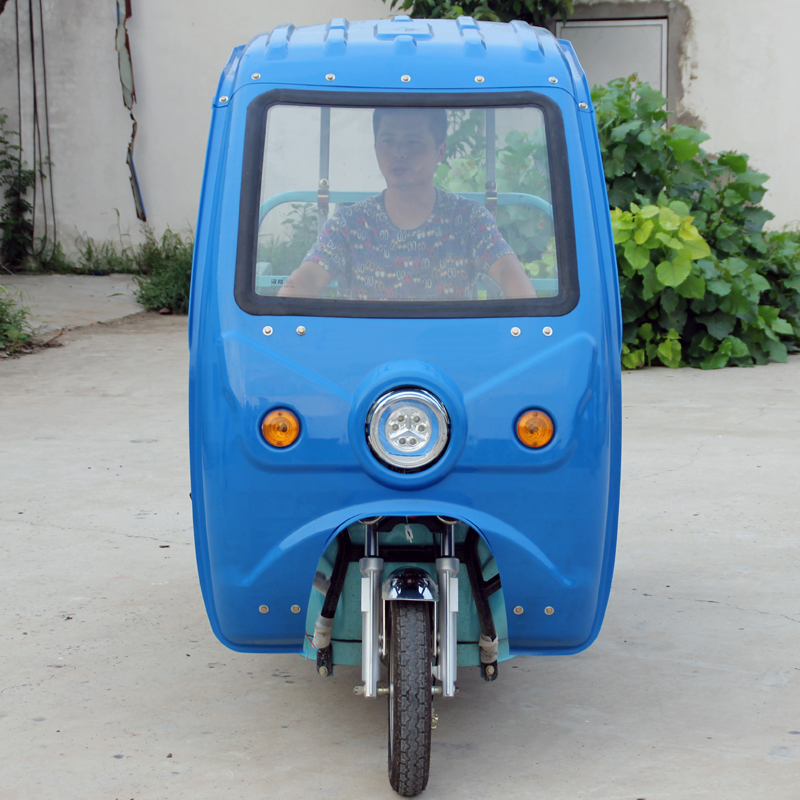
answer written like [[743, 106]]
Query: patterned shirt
[[375, 260]]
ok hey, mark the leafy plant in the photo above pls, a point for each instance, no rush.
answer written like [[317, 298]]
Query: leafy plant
[[16, 224], [283, 253], [165, 272], [536, 12], [734, 303], [15, 329], [528, 230]]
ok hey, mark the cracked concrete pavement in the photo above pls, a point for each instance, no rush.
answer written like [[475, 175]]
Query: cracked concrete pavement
[[113, 685], [71, 301]]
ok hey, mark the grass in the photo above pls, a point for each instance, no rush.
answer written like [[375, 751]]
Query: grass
[[15, 329], [161, 268]]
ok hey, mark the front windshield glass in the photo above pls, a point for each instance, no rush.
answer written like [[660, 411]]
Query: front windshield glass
[[406, 204]]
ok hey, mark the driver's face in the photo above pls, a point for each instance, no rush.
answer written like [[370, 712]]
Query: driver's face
[[406, 150]]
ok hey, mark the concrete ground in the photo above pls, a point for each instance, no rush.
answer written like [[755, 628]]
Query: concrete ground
[[113, 685], [71, 301]]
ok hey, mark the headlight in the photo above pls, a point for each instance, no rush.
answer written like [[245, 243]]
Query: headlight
[[408, 429]]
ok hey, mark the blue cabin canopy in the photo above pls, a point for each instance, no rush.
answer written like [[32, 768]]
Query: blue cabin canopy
[[407, 54]]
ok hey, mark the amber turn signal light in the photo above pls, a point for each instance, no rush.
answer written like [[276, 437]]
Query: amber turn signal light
[[535, 429], [280, 428]]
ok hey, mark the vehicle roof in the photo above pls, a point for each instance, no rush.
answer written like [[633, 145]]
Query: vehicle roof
[[442, 55]]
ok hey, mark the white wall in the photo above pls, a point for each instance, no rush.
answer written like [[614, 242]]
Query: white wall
[[740, 67], [741, 79], [739, 73], [179, 49]]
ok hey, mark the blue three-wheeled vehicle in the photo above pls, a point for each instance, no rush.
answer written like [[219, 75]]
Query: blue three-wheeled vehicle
[[405, 338]]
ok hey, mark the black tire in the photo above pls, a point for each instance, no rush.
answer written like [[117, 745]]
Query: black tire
[[409, 697]]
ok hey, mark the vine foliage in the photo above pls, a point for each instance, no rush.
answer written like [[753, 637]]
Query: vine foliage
[[16, 180], [536, 12], [702, 284]]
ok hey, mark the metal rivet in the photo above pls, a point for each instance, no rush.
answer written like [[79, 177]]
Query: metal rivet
[[549, 610], [255, 76], [267, 330], [479, 79], [330, 77], [553, 80], [583, 106], [490, 670], [515, 331], [323, 671], [295, 609], [518, 610], [547, 331], [405, 78], [301, 330], [264, 609], [224, 99]]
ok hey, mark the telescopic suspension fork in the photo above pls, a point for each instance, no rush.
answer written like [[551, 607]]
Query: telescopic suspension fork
[[371, 567], [447, 566]]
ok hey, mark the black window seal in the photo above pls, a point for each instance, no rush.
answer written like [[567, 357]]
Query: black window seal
[[252, 163]]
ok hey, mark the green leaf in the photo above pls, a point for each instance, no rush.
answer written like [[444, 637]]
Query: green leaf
[[638, 257], [669, 241], [651, 98], [692, 134], [768, 314], [707, 343], [633, 359], [669, 301], [643, 231], [714, 361], [669, 352], [650, 211], [683, 149], [783, 327], [759, 283], [645, 332], [719, 287], [693, 287], [621, 131], [734, 161], [680, 208], [651, 285], [734, 265], [673, 273], [668, 219], [719, 324], [777, 350], [793, 283], [719, 359], [738, 348], [695, 249]]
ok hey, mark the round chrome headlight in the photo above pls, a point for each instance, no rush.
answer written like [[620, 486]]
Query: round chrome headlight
[[408, 429]]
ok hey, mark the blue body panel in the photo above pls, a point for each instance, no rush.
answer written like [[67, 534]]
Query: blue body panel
[[263, 517]]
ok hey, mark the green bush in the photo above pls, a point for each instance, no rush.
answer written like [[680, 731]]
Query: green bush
[[729, 293], [15, 329], [16, 225], [536, 12], [165, 272], [161, 269]]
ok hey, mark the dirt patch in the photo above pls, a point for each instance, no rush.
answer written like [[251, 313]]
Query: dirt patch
[[144, 321]]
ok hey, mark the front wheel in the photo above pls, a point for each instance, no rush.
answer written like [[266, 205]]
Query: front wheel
[[409, 697]]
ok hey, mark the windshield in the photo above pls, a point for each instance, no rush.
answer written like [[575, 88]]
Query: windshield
[[411, 205]]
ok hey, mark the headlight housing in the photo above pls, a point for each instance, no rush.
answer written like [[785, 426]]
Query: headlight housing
[[408, 429]]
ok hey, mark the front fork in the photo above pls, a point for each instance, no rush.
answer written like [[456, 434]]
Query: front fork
[[371, 567], [373, 617]]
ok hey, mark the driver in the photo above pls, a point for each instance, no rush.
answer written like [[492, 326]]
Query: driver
[[412, 241]]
